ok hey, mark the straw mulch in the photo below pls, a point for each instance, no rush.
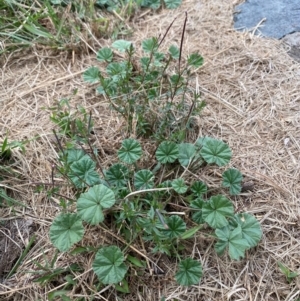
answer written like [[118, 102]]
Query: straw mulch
[[251, 87]]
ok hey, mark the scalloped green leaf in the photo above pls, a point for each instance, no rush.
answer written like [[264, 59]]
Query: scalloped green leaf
[[233, 240], [90, 204], [203, 140], [109, 265], [92, 75], [174, 52], [105, 54], [66, 230], [130, 151], [167, 152], [215, 151], [199, 188], [121, 45], [117, 175], [176, 227], [216, 211], [197, 216], [171, 4], [143, 179], [150, 45], [195, 60], [179, 186], [73, 155], [186, 153], [117, 71], [82, 173], [250, 227], [232, 178], [189, 272], [153, 4]]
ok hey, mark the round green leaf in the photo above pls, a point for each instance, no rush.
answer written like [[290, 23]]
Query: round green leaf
[[216, 210], [167, 152], [174, 52], [171, 4], [179, 186], [186, 153], [66, 230], [117, 175], [105, 54], [232, 178], [251, 230], [199, 188], [121, 45], [203, 140], [130, 151], [150, 45], [197, 216], [82, 172], [189, 272], [233, 240], [176, 226], [75, 155], [195, 60], [109, 265], [216, 151], [153, 4], [91, 203], [92, 75], [143, 179], [116, 71]]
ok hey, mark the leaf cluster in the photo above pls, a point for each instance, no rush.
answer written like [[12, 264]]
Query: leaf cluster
[[149, 92], [75, 124], [112, 5], [133, 198], [137, 199]]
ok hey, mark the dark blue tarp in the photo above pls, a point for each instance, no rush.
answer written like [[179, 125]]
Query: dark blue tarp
[[282, 17]]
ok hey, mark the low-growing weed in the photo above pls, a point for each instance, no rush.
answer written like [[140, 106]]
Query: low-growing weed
[[151, 93], [75, 124], [137, 201], [7, 171], [154, 198], [64, 24], [289, 275]]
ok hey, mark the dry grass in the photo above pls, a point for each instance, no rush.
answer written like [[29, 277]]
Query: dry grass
[[251, 87]]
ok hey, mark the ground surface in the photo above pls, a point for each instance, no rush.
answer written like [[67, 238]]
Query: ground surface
[[251, 87], [271, 18]]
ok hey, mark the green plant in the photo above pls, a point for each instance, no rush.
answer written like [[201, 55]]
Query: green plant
[[289, 275], [7, 147], [48, 272], [60, 24], [134, 197], [129, 5], [137, 199], [151, 93], [6, 170], [72, 123]]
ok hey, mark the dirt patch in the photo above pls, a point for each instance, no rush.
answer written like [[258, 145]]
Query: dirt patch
[[251, 87], [14, 237]]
